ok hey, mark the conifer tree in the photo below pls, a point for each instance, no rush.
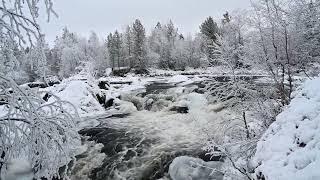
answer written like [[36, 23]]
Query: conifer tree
[[210, 31], [139, 49]]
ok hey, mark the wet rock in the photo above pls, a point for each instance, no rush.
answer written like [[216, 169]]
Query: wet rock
[[199, 91], [120, 115], [121, 82], [102, 99], [103, 85], [3, 102], [120, 71], [141, 71], [190, 73], [91, 131], [205, 156], [52, 83], [180, 109], [109, 103], [37, 85], [46, 97]]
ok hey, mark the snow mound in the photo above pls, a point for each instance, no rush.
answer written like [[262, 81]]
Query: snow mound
[[290, 148], [80, 94], [184, 167]]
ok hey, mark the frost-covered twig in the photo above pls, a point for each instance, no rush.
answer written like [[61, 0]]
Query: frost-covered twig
[[43, 133], [19, 18]]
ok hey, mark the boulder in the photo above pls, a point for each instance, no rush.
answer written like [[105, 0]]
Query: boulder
[[103, 85]]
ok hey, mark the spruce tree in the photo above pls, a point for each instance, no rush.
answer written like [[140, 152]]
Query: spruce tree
[[139, 50], [110, 45], [128, 43], [117, 47], [210, 30]]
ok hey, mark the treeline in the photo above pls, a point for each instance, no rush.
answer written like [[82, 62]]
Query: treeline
[[279, 37]]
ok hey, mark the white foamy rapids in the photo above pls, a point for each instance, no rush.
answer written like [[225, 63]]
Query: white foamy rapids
[[172, 133]]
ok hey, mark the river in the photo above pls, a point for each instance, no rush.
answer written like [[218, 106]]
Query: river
[[173, 120]]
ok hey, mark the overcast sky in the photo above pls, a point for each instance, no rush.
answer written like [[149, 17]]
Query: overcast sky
[[104, 16]]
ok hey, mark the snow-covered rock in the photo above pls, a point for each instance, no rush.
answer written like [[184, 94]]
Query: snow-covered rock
[[183, 168], [124, 107], [80, 94], [290, 148]]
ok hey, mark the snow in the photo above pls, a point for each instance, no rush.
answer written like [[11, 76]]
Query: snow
[[184, 167], [178, 79], [19, 169], [80, 94], [108, 72], [129, 83], [290, 148]]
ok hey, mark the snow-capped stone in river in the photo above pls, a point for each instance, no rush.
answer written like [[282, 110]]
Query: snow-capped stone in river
[[183, 168]]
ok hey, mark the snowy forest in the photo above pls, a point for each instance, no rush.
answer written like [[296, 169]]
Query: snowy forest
[[237, 100]]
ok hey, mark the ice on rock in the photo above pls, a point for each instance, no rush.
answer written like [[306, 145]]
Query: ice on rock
[[189, 168]]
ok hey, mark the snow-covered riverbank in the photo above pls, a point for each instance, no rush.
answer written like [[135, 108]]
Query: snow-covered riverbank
[[135, 126]]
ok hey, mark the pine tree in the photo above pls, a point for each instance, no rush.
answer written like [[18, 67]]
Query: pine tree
[[139, 49], [117, 47], [110, 45], [171, 34], [210, 31], [128, 45]]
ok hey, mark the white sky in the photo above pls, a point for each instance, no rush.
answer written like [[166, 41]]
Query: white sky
[[104, 16]]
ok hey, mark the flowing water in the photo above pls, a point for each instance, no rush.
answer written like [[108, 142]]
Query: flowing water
[[142, 145]]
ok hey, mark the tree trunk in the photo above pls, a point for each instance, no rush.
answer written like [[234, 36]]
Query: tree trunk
[[246, 124]]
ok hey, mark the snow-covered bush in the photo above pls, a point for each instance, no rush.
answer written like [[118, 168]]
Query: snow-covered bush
[[30, 128], [41, 132]]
